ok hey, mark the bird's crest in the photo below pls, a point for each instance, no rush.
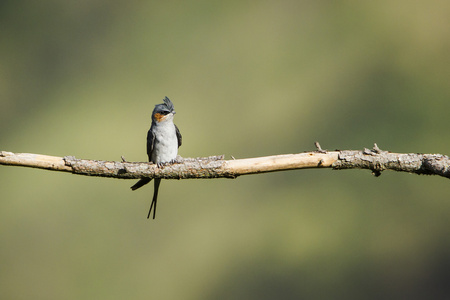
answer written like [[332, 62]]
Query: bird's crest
[[168, 104]]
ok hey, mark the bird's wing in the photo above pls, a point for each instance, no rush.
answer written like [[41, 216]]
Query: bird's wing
[[179, 138], [150, 143]]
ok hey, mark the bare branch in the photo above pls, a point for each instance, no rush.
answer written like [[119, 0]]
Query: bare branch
[[216, 167]]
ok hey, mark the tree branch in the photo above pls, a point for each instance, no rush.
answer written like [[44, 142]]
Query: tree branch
[[216, 167]]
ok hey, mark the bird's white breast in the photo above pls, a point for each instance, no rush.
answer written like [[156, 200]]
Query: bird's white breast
[[165, 148]]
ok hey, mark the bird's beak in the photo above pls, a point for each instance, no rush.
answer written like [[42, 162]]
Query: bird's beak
[[174, 112]]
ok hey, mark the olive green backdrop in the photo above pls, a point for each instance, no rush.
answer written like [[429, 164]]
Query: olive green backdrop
[[248, 78]]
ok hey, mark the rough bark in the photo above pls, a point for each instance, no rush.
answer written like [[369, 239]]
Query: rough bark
[[216, 167]]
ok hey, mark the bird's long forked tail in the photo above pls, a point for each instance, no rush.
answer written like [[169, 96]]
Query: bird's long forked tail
[[155, 199], [141, 183]]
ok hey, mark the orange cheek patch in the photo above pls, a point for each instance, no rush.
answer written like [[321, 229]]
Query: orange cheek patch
[[159, 117]]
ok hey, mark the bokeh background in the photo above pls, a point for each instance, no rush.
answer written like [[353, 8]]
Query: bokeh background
[[248, 78]]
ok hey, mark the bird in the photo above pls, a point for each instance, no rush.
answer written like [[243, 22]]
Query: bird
[[163, 140]]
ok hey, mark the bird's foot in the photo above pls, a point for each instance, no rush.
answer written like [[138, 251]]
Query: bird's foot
[[176, 160]]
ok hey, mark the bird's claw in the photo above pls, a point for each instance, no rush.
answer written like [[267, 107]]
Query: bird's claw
[[163, 164]]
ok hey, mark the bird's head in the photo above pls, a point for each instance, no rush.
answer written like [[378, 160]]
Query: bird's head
[[163, 112]]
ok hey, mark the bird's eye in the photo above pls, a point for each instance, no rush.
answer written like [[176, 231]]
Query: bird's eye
[[165, 112]]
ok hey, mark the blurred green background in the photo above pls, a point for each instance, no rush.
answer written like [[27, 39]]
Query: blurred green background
[[248, 78]]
